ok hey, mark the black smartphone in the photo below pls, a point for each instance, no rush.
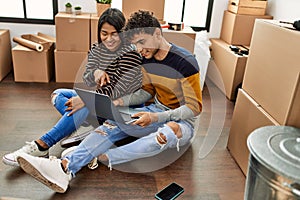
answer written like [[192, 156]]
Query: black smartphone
[[172, 191]]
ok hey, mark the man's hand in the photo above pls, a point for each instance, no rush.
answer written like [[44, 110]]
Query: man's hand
[[118, 102], [101, 78], [145, 118], [74, 104]]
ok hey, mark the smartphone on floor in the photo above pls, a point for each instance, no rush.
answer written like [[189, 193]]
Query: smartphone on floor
[[170, 192]]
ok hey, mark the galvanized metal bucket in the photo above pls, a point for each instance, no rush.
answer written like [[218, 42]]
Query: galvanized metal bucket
[[274, 164]]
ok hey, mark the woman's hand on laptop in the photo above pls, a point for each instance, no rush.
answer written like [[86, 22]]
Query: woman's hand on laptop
[[145, 118], [74, 104], [101, 78]]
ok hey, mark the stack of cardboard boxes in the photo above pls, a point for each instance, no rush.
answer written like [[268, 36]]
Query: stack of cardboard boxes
[[5, 53], [270, 93], [72, 45], [229, 52]]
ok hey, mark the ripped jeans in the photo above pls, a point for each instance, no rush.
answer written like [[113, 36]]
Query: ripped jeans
[[101, 141], [66, 124]]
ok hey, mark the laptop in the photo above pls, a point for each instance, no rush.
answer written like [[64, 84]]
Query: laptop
[[102, 106]]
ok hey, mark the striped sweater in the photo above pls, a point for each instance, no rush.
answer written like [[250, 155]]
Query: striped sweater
[[123, 67]]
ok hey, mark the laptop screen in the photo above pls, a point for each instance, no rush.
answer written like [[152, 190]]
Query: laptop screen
[[102, 106]]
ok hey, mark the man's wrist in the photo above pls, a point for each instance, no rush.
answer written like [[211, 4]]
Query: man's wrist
[[120, 102]]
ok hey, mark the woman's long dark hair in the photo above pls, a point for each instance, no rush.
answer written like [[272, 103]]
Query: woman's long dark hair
[[114, 17]]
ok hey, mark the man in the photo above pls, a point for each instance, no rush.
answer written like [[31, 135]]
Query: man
[[170, 79]]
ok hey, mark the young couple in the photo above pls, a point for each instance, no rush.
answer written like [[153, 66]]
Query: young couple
[[170, 81]]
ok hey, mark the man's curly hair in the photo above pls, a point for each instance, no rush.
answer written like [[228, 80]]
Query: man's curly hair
[[141, 22]]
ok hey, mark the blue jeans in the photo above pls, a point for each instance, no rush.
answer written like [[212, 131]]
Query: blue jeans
[[102, 139], [66, 124]]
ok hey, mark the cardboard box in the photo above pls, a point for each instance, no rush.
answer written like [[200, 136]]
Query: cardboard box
[[155, 6], [246, 10], [5, 53], [247, 116], [101, 8], [69, 65], [272, 75], [184, 38], [247, 7], [31, 65], [237, 29], [94, 29], [250, 3], [72, 32], [226, 69]]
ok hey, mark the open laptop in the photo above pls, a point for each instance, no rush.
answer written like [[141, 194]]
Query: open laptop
[[102, 106]]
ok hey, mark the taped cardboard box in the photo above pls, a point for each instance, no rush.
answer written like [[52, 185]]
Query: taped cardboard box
[[237, 29], [72, 32], [247, 7], [155, 6], [33, 58], [94, 28], [68, 65], [247, 116], [272, 75], [5, 53], [184, 38], [250, 3], [226, 68]]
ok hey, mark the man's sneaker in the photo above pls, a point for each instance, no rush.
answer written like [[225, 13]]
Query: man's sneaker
[[30, 148], [75, 138], [47, 171]]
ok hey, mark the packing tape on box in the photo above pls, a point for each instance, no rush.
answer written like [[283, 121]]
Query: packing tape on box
[[29, 44]]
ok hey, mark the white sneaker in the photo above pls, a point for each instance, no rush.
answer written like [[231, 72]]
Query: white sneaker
[[30, 148], [47, 171]]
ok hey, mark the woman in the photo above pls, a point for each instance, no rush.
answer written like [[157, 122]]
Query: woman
[[113, 67]]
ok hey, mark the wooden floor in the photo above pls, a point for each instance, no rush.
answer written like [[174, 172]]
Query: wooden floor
[[26, 114]]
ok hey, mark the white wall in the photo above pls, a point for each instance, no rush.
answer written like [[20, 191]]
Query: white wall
[[287, 10], [217, 17]]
